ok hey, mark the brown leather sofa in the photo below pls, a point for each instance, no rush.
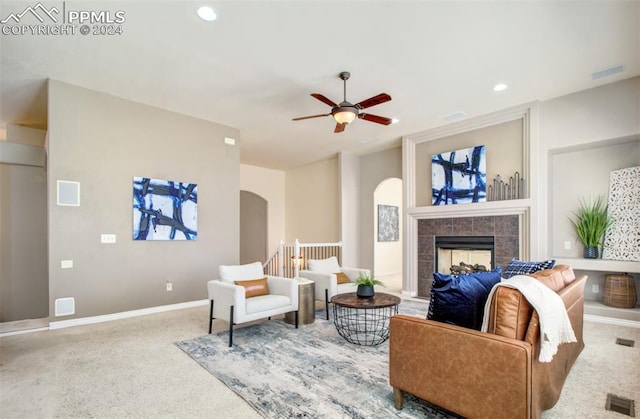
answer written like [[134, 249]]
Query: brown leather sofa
[[487, 375]]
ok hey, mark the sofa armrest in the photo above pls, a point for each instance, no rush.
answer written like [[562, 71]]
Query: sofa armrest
[[354, 273], [471, 373], [322, 282], [284, 286], [224, 295]]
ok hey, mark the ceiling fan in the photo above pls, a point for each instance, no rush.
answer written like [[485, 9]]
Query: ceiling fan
[[345, 112]]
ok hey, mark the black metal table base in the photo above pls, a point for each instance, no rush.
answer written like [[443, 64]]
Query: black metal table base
[[363, 326]]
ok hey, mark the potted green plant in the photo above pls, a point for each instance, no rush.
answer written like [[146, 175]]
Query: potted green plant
[[591, 222], [365, 285]]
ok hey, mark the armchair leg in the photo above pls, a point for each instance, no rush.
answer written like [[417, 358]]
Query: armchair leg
[[398, 398], [210, 316], [296, 319], [326, 302], [231, 326]]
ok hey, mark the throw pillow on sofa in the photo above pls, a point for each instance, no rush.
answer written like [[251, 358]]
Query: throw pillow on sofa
[[460, 299], [519, 267]]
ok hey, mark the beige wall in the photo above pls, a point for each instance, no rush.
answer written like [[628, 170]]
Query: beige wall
[[102, 142], [576, 131], [374, 168], [312, 203], [503, 152], [253, 228], [270, 185], [24, 287], [388, 255], [349, 173], [582, 174]]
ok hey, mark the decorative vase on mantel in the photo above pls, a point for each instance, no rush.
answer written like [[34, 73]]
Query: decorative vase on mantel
[[590, 252], [365, 291]]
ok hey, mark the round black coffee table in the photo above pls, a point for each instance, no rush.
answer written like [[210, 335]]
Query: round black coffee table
[[364, 321]]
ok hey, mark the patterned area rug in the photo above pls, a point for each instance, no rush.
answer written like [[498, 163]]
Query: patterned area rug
[[310, 372]]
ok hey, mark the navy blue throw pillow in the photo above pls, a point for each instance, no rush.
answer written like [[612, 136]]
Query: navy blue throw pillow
[[519, 267], [460, 299]]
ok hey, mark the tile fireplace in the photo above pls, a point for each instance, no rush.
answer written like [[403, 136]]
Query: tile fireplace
[[487, 240]]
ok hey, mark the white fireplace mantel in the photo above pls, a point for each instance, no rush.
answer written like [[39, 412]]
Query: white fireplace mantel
[[526, 209]]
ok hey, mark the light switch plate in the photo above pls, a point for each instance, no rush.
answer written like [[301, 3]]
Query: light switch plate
[[567, 245], [108, 238], [66, 264]]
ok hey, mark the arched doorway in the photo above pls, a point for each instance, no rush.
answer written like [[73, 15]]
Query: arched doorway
[[253, 228], [387, 202]]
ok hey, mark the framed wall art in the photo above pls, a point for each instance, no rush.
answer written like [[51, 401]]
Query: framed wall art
[[459, 176], [388, 223], [164, 209]]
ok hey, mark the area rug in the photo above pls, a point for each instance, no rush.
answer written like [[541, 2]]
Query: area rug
[[310, 372]]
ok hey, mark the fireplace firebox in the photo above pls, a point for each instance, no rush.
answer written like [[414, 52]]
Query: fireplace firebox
[[464, 254]]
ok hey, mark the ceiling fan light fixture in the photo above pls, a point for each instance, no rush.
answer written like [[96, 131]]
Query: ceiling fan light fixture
[[344, 115]]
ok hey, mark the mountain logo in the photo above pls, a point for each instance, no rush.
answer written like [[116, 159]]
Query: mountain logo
[[38, 11]]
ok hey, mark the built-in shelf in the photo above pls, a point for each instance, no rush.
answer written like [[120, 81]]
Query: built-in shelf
[[598, 311], [603, 265]]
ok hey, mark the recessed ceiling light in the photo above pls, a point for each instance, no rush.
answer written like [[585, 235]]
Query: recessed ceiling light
[[394, 120], [499, 87], [207, 13]]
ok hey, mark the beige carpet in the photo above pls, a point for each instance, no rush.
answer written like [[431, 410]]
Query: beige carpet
[[132, 369]]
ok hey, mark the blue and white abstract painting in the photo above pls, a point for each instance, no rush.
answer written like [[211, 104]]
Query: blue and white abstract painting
[[164, 210], [459, 176]]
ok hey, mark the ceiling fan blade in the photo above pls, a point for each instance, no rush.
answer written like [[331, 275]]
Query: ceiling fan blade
[[323, 99], [311, 116], [373, 101], [339, 127], [375, 118]]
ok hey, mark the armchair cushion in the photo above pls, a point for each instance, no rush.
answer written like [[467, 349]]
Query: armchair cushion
[[342, 278], [254, 287], [460, 299], [327, 266], [230, 273]]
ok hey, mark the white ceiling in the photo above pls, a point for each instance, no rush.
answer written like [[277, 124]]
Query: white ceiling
[[255, 67]]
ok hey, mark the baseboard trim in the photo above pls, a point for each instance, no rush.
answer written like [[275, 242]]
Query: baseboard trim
[[23, 331], [125, 314], [611, 320]]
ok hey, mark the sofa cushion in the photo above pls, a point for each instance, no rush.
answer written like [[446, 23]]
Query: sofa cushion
[[342, 278], [519, 267], [460, 299], [254, 287], [230, 273], [325, 266]]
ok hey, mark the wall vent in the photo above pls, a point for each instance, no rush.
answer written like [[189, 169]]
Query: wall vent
[[620, 405], [625, 342], [65, 306], [607, 72]]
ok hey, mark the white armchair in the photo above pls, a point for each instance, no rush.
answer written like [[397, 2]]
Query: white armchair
[[324, 273], [234, 303]]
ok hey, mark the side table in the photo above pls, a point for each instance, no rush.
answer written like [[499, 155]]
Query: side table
[[306, 303], [364, 321]]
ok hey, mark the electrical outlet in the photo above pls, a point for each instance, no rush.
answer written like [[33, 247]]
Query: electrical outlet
[[567, 245], [595, 288], [169, 286]]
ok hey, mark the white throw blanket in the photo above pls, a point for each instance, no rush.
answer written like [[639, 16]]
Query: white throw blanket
[[555, 327]]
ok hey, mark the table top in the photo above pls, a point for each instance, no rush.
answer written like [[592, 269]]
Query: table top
[[352, 300]]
